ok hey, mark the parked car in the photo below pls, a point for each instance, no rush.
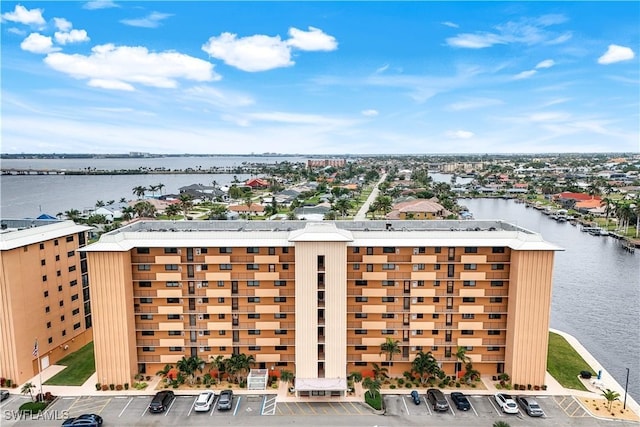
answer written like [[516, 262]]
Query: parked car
[[530, 406], [4, 394], [415, 396], [506, 403], [89, 420], [225, 400], [437, 399], [161, 401], [461, 401], [204, 402]]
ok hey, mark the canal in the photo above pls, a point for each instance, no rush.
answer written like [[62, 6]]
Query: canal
[[596, 287]]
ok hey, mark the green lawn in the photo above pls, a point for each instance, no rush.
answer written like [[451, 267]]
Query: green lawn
[[80, 365], [564, 363]]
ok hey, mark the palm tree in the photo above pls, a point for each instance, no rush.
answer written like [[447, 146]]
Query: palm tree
[[153, 190], [99, 204], [462, 357], [186, 203], [172, 210], [123, 200], [163, 372], [501, 424], [286, 376], [383, 203], [611, 396], [139, 191], [145, 209], [355, 376], [128, 213], [372, 386], [159, 187], [28, 388], [72, 214], [379, 372], [190, 365], [343, 206], [425, 365], [390, 347]]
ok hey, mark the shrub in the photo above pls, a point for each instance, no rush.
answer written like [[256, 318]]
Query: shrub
[[126, 386], [536, 387], [528, 386], [408, 385], [400, 381], [374, 401], [392, 386], [32, 407], [105, 387], [521, 386], [457, 385], [3, 380], [98, 386], [473, 385], [140, 385], [508, 386], [544, 386], [516, 386], [112, 386], [8, 382], [119, 387], [498, 387]]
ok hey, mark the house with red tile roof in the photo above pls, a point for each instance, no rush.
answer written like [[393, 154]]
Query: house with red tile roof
[[257, 183], [418, 209]]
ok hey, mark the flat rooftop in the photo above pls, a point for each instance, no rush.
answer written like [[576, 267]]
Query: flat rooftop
[[481, 233], [15, 233]]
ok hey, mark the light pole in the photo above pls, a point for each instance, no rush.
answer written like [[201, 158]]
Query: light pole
[[626, 386]]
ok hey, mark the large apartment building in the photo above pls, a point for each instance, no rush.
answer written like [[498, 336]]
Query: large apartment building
[[44, 294], [319, 298]]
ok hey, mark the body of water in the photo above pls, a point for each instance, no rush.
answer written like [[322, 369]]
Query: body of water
[[596, 287]]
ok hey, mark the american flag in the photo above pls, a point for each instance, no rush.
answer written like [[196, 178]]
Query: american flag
[[35, 349]]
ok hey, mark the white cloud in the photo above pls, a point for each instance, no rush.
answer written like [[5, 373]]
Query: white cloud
[[22, 15], [217, 97], [524, 75], [99, 4], [16, 31], [62, 24], [37, 43], [153, 20], [298, 118], [119, 67], [382, 69], [473, 104], [73, 36], [525, 31], [615, 54], [314, 39], [253, 53], [459, 134], [370, 113], [260, 52], [450, 24], [547, 63]]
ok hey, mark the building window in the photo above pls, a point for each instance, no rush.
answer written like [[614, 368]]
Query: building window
[[362, 299], [62, 318], [254, 331], [470, 250], [44, 278], [253, 267], [361, 347], [171, 267], [495, 299], [150, 333], [279, 299], [369, 251], [436, 299], [144, 267], [280, 283], [388, 250], [46, 294], [220, 300], [55, 242], [225, 266], [422, 250], [57, 257], [361, 315], [437, 250], [388, 299], [468, 299], [285, 266], [388, 283], [173, 317], [142, 250], [361, 332], [175, 349], [76, 311], [470, 266], [418, 267], [74, 297], [388, 316], [496, 283], [221, 316], [468, 316], [356, 250], [280, 315], [48, 325], [253, 283], [498, 250], [61, 303], [435, 316], [58, 273], [495, 316], [172, 333], [253, 315], [173, 284], [144, 284], [224, 250], [466, 332], [493, 332], [493, 348], [388, 332], [361, 282], [170, 250], [272, 251], [204, 250], [469, 283], [497, 266], [70, 254], [253, 250], [281, 332], [43, 262], [253, 299], [148, 349], [50, 340], [173, 300], [436, 283]]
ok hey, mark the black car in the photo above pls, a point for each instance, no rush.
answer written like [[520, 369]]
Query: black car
[[225, 400], [415, 396], [90, 420], [161, 401], [437, 399], [4, 394], [461, 401]]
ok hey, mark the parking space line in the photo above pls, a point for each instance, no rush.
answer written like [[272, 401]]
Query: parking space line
[[404, 400], [144, 412], [494, 407], [237, 406], [472, 407], [125, 407], [170, 406], [193, 404], [427, 403]]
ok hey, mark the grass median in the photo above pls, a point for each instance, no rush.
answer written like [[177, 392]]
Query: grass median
[[564, 363], [80, 365]]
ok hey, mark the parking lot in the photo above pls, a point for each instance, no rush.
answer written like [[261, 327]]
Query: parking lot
[[263, 410]]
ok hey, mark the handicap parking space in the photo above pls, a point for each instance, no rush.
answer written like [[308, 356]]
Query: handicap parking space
[[248, 405]]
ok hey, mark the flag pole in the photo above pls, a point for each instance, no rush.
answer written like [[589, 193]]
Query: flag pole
[[36, 350]]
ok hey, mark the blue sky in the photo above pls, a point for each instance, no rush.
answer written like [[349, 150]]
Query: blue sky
[[320, 77]]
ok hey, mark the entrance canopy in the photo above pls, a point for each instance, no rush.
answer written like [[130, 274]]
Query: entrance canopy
[[321, 384]]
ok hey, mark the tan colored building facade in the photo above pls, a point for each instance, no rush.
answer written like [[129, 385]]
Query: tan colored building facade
[[44, 294], [319, 299]]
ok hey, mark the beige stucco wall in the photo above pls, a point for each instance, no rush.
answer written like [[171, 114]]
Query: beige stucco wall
[[114, 325], [528, 323]]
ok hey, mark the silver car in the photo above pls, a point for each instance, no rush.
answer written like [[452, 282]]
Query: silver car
[[530, 406]]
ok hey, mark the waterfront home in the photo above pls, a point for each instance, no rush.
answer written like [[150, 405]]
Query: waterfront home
[[418, 209]]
